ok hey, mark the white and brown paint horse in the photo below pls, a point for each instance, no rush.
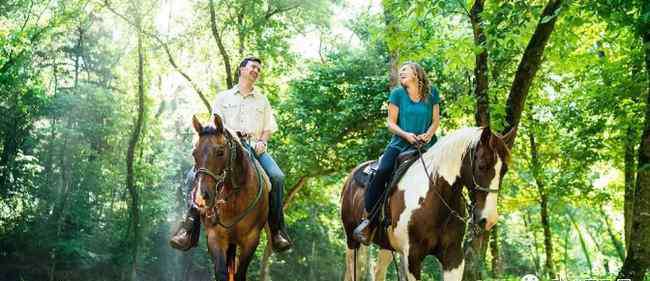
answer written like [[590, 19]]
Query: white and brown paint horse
[[421, 207]]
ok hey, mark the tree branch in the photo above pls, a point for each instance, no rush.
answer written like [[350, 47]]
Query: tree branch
[[481, 68], [293, 191], [167, 52], [270, 13], [529, 64], [222, 49]]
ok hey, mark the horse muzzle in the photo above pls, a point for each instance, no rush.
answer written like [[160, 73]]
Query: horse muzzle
[[484, 221]]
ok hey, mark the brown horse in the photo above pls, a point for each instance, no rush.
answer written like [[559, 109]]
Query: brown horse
[[231, 192], [426, 208]]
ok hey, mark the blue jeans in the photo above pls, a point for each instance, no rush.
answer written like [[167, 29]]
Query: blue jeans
[[378, 184], [276, 176]]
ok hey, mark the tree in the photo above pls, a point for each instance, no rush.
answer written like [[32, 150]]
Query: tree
[[637, 260]]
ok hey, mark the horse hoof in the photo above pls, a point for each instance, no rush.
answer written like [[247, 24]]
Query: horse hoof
[[280, 244]]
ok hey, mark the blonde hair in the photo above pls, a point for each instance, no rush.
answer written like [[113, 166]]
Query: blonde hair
[[424, 86]]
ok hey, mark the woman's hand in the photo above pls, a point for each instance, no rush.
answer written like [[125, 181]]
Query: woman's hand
[[425, 138], [410, 137]]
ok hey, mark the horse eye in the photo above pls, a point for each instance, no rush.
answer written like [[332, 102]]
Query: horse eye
[[219, 152]]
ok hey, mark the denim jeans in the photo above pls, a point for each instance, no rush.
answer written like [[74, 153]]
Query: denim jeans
[[276, 176], [378, 184]]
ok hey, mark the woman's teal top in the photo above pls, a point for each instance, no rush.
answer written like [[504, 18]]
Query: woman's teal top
[[413, 117]]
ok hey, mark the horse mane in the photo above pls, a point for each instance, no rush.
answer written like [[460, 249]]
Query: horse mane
[[242, 159], [211, 130], [445, 157]]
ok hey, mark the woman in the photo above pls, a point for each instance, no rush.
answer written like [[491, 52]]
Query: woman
[[413, 118]]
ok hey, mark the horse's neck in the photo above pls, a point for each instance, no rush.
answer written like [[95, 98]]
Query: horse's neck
[[244, 169], [446, 158]]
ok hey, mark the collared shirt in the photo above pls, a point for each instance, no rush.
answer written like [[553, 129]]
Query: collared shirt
[[251, 114]]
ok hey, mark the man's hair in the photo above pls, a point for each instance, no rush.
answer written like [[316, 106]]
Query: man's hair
[[245, 61]]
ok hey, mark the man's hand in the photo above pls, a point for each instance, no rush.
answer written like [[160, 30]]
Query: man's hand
[[260, 147]]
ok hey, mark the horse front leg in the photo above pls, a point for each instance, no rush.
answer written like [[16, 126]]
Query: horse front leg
[[353, 268], [384, 258], [247, 252], [218, 251], [453, 262], [453, 271], [413, 263]]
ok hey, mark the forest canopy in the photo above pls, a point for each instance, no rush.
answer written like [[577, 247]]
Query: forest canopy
[[97, 99]]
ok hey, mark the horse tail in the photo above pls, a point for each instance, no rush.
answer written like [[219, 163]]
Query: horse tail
[[231, 255]]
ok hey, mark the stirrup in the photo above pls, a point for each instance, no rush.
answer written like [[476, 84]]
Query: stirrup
[[362, 233]]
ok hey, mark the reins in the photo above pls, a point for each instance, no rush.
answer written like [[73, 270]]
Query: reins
[[475, 186], [213, 207]]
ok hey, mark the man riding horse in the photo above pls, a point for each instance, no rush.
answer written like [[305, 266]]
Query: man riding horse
[[245, 110]]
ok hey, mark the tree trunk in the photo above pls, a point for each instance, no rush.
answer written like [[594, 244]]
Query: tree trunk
[[566, 250], [583, 244], [475, 247], [527, 222], [530, 63], [130, 156], [11, 144], [265, 267], [77, 52], [222, 49], [475, 257], [390, 23], [620, 250], [543, 200], [241, 35], [497, 264], [629, 183], [482, 113], [637, 260]]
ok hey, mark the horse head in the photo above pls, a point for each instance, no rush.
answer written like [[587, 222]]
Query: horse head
[[218, 159], [485, 165]]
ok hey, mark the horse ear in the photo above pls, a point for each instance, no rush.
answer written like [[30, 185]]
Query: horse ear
[[197, 125], [509, 137], [486, 135], [218, 123]]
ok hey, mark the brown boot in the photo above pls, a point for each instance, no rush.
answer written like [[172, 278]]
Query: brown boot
[[187, 234], [364, 232]]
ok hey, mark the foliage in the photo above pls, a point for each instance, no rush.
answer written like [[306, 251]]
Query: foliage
[[68, 87]]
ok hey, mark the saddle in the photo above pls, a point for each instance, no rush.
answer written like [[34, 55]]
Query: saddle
[[364, 176], [403, 162]]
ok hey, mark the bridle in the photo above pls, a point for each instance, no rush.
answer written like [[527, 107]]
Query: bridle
[[475, 186], [213, 207], [221, 178]]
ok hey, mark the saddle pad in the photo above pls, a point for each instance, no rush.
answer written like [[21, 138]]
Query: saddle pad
[[363, 175]]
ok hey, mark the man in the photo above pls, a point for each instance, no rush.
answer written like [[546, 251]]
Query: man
[[244, 109]]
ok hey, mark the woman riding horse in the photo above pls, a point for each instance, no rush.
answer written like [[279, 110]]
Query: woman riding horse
[[413, 118]]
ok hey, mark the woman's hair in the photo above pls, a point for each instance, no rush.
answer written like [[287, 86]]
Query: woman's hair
[[424, 86]]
